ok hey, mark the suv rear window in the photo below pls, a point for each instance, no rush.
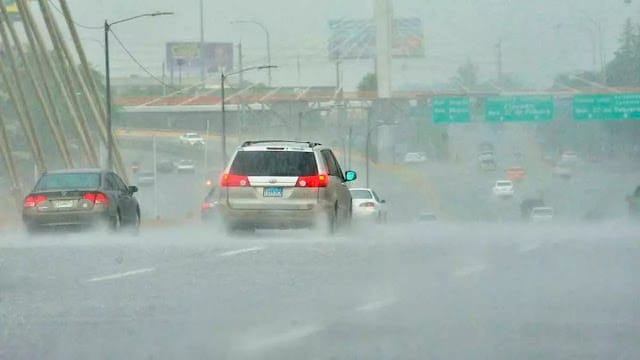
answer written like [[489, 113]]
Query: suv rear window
[[68, 181], [274, 163]]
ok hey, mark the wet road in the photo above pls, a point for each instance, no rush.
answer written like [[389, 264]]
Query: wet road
[[413, 291]]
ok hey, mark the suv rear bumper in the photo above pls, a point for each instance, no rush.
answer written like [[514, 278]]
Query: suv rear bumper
[[272, 219]]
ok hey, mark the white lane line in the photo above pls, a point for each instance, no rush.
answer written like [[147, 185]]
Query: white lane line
[[469, 270], [241, 251], [121, 275], [376, 305], [282, 338], [529, 247]]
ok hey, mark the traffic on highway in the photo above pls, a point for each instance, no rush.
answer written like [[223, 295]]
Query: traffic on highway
[[363, 180]]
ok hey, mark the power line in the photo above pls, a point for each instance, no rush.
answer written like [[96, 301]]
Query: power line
[[76, 23], [135, 60]]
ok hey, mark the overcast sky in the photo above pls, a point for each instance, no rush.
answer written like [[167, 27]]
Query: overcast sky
[[540, 37]]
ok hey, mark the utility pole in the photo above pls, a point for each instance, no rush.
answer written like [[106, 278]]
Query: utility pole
[[202, 63], [240, 75], [499, 60], [298, 68]]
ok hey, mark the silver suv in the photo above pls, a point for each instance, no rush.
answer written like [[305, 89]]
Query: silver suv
[[284, 184]]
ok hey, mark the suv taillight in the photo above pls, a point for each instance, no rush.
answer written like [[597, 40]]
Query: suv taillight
[[96, 198], [368, 204], [233, 180], [313, 181], [33, 200]]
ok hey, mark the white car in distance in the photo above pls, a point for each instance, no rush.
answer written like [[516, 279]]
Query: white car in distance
[[503, 188], [366, 204], [415, 157], [184, 166], [569, 157], [541, 214], [191, 139]]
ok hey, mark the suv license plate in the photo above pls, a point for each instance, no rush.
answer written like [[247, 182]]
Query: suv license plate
[[272, 192]]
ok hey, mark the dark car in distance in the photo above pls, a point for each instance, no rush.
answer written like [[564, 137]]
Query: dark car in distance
[[165, 166], [81, 198]]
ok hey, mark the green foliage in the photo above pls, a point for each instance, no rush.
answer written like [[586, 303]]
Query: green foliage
[[467, 75], [624, 69], [368, 83]]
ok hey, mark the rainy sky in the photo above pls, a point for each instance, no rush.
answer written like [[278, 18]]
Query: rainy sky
[[540, 38]]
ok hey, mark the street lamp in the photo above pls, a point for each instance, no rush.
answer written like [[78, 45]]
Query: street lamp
[[223, 77], [268, 37], [107, 28]]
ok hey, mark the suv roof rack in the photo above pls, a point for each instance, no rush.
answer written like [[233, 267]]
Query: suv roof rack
[[255, 142]]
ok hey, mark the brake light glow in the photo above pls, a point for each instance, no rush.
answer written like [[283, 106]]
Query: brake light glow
[[96, 198], [207, 205], [233, 180], [33, 200], [368, 204], [313, 181]]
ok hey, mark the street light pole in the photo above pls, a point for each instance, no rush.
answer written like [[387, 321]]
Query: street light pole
[[224, 121], [268, 39], [223, 77], [107, 74], [367, 145]]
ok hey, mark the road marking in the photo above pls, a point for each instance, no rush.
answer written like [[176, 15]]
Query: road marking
[[121, 275], [283, 338], [241, 251], [469, 270], [529, 247], [375, 305]]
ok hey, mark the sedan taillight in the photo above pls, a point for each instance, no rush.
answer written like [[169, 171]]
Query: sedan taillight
[[33, 200], [96, 198], [368, 204]]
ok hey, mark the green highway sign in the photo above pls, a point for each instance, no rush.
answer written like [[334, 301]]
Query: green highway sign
[[450, 110], [606, 106], [519, 108]]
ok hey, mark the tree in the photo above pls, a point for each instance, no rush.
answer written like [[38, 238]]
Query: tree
[[368, 83], [623, 69], [467, 75]]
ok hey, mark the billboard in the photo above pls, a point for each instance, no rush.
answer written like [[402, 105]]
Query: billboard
[[356, 39], [186, 58], [12, 9]]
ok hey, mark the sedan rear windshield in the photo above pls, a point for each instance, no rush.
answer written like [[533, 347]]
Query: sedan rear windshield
[[76, 181], [274, 163], [361, 194], [504, 183]]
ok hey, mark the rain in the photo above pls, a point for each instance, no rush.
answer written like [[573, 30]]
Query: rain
[[361, 179]]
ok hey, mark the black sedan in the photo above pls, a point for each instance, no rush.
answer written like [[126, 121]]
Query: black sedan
[[81, 198]]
